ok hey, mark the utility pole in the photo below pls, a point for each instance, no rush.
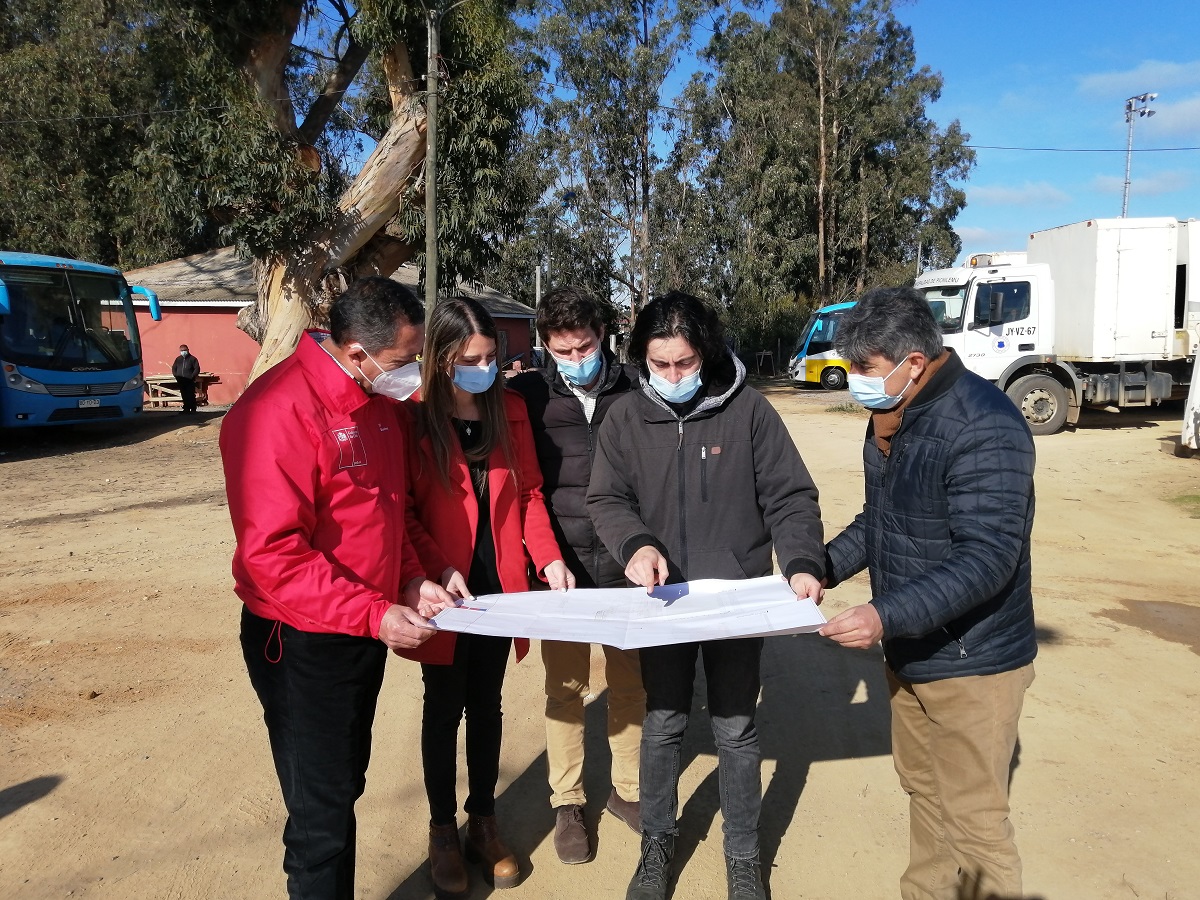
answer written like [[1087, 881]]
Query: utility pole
[[1135, 107], [432, 84]]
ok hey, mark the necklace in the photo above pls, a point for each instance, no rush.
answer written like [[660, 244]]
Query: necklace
[[467, 428]]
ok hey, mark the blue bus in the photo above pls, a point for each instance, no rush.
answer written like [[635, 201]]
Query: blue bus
[[70, 350]]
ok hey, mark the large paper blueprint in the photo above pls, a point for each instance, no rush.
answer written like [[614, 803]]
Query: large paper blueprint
[[629, 618]]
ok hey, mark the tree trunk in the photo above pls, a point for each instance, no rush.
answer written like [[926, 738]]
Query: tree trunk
[[291, 291], [294, 292]]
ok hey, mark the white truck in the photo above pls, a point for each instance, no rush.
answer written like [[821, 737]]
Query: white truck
[[1099, 313]]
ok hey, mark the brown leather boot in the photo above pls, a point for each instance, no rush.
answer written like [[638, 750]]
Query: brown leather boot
[[496, 861], [446, 863]]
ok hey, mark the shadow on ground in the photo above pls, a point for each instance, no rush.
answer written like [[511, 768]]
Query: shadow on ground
[[819, 702], [19, 795]]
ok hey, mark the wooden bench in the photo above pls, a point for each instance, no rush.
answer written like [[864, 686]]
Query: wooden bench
[[163, 390]]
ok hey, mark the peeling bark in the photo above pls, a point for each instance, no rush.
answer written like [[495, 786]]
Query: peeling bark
[[294, 292]]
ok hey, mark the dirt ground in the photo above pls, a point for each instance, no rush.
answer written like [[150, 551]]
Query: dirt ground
[[135, 762]]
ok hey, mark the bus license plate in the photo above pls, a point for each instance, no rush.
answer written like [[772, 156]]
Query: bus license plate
[[89, 403]]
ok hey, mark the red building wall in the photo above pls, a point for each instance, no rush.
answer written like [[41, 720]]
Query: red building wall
[[212, 336]]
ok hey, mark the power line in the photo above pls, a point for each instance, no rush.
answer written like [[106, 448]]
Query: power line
[[1083, 149]]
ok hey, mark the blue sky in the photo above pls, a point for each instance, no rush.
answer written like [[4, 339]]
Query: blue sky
[[1056, 73]]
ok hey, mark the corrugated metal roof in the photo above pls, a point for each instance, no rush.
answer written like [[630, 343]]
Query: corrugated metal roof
[[221, 278]]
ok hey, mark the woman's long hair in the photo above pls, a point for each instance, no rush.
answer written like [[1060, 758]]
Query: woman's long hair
[[451, 325]]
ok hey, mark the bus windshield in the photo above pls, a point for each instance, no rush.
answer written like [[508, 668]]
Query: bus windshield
[[68, 321], [947, 304]]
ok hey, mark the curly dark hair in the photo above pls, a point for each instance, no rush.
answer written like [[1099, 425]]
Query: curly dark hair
[[572, 309], [677, 314]]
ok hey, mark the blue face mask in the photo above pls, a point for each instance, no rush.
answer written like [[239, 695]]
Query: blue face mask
[[871, 391], [582, 372], [682, 392], [475, 379]]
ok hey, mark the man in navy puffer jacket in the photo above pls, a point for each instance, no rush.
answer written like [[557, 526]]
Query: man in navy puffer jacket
[[945, 535]]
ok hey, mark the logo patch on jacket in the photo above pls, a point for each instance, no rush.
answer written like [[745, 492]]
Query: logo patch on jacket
[[351, 450]]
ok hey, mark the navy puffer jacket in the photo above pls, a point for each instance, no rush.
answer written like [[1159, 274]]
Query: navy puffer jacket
[[945, 532]]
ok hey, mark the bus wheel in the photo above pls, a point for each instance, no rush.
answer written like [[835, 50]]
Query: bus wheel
[[833, 379], [1042, 400]]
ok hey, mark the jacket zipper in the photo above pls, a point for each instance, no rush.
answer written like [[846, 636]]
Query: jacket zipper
[[962, 648], [595, 537], [704, 474], [679, 461]]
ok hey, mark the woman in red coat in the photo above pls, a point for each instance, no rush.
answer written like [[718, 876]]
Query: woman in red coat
[[480, 517]]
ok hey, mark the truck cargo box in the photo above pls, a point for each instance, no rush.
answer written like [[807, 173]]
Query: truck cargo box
[[1116, 283]]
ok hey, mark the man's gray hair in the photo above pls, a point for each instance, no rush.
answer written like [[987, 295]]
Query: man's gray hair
[[888, 322]]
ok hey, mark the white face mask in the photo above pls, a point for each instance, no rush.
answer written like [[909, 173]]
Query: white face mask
[[183, 353], [399, 384]]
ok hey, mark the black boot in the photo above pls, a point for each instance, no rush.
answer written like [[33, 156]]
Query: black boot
[[745, 879], [654, 868]]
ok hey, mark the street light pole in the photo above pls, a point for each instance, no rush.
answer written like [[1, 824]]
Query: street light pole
[[1135, 107], [432, 82]]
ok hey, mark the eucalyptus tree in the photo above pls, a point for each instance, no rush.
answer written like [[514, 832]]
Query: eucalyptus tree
[[227, 131], [606, 124]]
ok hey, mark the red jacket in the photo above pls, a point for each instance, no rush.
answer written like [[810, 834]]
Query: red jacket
[[316, 480], [442, 525]]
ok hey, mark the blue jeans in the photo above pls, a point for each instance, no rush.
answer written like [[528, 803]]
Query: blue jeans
[[669, 673], [318, 693]]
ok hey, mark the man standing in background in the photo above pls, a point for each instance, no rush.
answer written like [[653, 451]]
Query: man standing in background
[[185, 370], [567, 401]]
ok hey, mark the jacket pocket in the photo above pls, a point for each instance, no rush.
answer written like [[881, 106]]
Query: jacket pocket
[[714, 564]]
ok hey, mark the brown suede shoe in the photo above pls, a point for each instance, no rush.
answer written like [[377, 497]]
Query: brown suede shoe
[[496, 862], [446, 863], [627, 811], [570, 835]]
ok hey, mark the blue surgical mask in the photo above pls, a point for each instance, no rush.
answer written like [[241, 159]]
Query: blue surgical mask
[[582, 372], [475, 379], [869, 390], [681, 392]]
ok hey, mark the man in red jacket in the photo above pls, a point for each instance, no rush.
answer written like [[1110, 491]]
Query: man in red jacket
[[314, 469]]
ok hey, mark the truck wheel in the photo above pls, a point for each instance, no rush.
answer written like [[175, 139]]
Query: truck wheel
[[1042, 401], [833, 379]]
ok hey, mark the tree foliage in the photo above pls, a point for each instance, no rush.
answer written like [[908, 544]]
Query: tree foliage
[[798, 167], [138, 130], [809, 147], [601, 131]]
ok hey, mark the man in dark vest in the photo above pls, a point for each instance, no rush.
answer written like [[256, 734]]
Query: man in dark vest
[[185, 370], [567, 402]]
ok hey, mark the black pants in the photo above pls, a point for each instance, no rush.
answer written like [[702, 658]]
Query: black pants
[[472, 685], [187, 391], [318, 693]]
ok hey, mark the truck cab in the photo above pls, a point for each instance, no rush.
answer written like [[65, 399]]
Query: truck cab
[[997, 313]]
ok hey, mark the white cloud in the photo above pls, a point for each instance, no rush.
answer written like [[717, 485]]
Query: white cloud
[[1028, 194], [1171, 119], [1153, 185], [985, 240], [1150, 75]]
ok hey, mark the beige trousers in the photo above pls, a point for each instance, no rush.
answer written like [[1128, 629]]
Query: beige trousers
[[953, 742], [568, 676]]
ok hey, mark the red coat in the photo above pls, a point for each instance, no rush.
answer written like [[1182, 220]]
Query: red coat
[[316, 480], [442, 523]]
